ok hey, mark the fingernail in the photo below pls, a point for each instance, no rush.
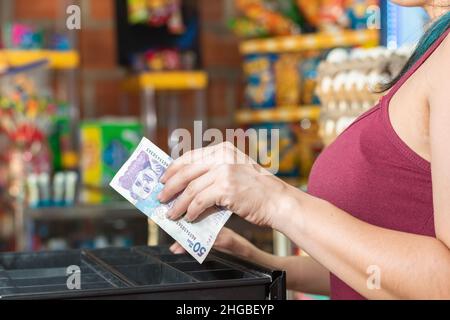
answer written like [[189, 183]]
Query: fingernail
[[170, 215], [163, 178]]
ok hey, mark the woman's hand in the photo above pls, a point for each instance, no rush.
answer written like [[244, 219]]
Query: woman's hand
[[227, 241], [222, 176]]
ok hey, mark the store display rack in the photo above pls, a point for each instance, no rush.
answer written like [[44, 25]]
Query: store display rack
[[316, 41], [64, 65], [280, 114], [299, 43]]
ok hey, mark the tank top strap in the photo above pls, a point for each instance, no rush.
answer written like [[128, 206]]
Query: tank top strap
[[416, 65]]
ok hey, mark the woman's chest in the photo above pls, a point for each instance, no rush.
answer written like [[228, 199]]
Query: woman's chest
[[367, 175]]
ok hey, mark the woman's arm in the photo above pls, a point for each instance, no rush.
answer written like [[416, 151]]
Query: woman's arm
[[410, 266]]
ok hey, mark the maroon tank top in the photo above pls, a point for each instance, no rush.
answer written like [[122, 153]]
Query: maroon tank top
[[369, 172]]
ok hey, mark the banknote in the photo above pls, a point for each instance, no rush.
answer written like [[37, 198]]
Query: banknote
[[138, 181]]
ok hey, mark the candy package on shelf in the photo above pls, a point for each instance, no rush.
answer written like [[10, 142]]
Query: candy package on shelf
[[28, 37], [299, 144], [273, 80], [164, 60], [286, 154], [260, 78], [137, 11], [358, 14], [22, 36], [290, 17], [60, 137], [334, 15], [157, 13], [309, 74], [310, 10], [274, 22], [287, 80], [287, 8], [246, 28]]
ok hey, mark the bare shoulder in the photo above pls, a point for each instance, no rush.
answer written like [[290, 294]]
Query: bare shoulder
[[440, 60], [437, 72]]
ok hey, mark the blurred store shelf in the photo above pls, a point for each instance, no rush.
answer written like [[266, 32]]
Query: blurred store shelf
[[314, 41], [57, 59], [279, 114], [116, 210], [171, 80]]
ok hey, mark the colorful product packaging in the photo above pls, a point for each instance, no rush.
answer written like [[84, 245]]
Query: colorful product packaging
[[246, 28], [137, 11], [287, 80], [59, 139], [260, 89], [22, 36], [310, 10], [274, 22], [157, 13], [298, 147], [358, 14], [105, 146], [287, 154], [308, 70], [272, 80]]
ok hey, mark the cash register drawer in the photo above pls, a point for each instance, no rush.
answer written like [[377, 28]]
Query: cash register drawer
[[134, 273]]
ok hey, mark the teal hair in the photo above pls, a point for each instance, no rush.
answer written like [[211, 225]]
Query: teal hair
[[431, 35]]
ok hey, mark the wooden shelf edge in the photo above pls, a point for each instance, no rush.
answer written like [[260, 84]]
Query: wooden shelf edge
[[280, 114], [57, 59], [313, 41], [171, 80]]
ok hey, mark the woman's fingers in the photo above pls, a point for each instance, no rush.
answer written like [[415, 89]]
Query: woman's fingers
[[190, 157], [202, 201], [184, 200], [181, 174], [181, 180], [212, 155]]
